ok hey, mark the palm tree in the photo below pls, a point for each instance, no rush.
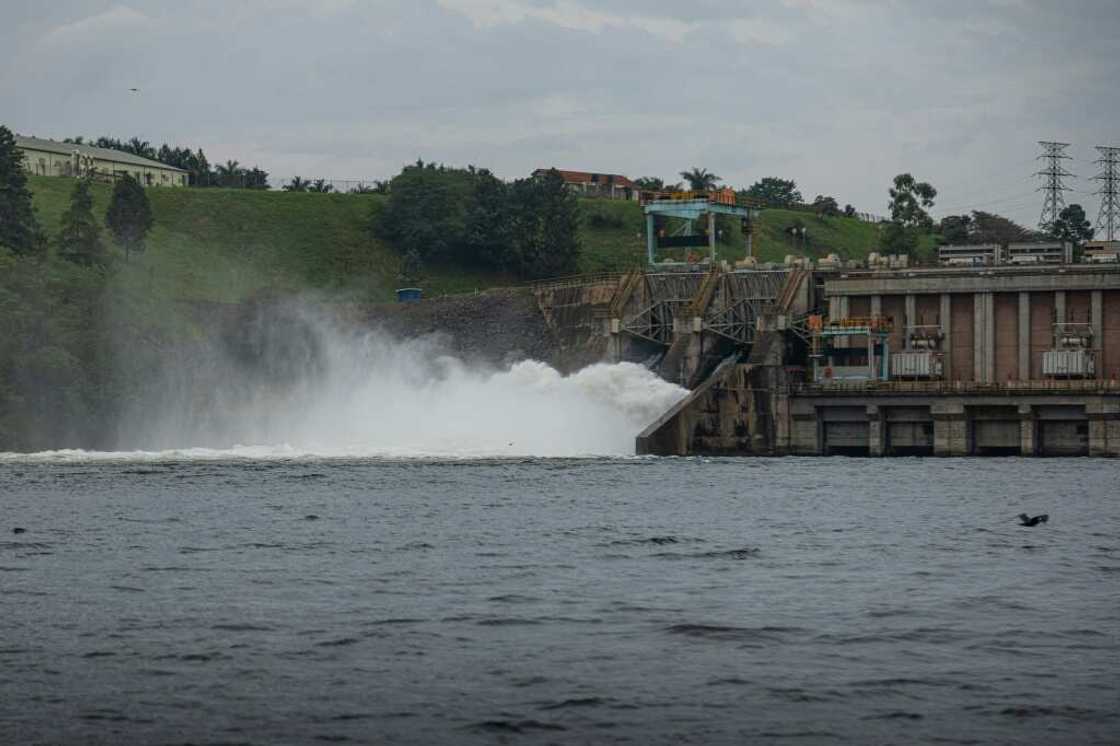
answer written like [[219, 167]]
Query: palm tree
[[321, 186], [229, 173], [297, 184], [139, 147], [700, 179]]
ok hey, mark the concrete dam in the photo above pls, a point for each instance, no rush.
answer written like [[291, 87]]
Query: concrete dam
[[945, 361]]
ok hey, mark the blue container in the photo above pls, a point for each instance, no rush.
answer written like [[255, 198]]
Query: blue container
[[408, 295]]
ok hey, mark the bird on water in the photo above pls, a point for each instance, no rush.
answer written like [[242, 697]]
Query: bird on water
[[18, 530], [1026, 520]]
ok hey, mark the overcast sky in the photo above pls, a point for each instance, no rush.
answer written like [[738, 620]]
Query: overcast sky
[[839, 95]]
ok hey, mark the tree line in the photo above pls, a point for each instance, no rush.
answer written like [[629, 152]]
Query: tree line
[[129, 217], [230, 175], [58, 381], [769, 191], [435, 213]]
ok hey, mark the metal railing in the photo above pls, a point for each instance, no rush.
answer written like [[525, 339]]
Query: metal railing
[[569, 281], [1057, 386]]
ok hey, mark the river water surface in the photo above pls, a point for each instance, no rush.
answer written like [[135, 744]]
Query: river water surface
[[178, 599]]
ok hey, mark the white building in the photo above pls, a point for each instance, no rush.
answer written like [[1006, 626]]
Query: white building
[[53, 158]]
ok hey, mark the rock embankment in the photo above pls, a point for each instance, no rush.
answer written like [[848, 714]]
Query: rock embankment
[[496, 327]]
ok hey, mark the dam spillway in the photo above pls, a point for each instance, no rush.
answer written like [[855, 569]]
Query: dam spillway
[[945, 361]]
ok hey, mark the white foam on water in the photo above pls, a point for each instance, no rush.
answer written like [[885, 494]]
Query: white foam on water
[[375, 397]]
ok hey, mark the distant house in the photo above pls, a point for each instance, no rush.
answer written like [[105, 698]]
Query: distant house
[[589, 184], [52, 158]]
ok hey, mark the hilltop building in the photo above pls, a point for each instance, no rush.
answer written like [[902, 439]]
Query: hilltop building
[[53, 158], [589, 184]]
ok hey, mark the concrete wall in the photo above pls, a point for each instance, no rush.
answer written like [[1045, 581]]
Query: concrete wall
[[961, 337], [1027, 425], [1042, 330], [1006, 306], [1000, 321], [1110, 326]]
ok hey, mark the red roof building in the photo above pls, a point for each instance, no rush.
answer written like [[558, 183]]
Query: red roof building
[[590, 184]]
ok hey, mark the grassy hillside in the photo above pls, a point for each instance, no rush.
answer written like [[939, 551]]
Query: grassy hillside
[[226, 244], [219, 244]]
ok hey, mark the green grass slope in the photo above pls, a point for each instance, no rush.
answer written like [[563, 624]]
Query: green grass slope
[[228, 244]]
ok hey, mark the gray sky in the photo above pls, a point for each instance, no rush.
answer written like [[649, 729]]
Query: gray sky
[[839, 95]]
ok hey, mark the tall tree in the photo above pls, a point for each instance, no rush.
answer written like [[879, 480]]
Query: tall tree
[[956, 229], [200, 172], [545, 227], [297, 184], [909, 201], [79, 239], [256, 178], [426, 210], [909, 220], [986, 227], [1072, 226], [230, 174], [139, 147], [775, 192], [321, 186], [19, 230], [650, 184], [487, 232], [130, 215], [700, 179], [826, 206]]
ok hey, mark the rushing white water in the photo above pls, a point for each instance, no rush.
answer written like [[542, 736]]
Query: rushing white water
[[373, 396]]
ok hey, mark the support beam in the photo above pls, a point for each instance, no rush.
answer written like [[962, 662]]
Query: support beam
[[876, 431], [838, 310], [1024, 336], [876, 305], [1028, 431], [945, 319], [1096, 321], [712, 237], [983, 339], [950, 430], [1104, 427], [651, 238], [911, 318], [1060, 306]]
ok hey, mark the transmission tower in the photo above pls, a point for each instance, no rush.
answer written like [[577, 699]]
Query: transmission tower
[[1108, 218], [1053, 153]]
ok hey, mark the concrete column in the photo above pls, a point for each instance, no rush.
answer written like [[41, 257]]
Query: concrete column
[[950, 429], [651, 237], [983, 341], [838, 309], [876, 305], [990, 336], [1059, 306], [1024, 336], [1104, 426], [712, 236], [911, 318], [945, 319], [876, 431], [1096, 321], [1028, 431]]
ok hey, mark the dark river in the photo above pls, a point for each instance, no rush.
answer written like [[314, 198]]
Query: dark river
[[793, 601]]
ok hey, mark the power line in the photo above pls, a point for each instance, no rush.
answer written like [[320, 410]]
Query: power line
[[1108, 216], [1053, 153]]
